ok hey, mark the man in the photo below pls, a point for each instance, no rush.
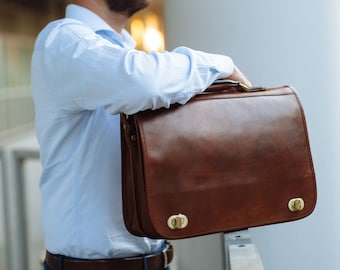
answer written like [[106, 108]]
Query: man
[[85, 71]]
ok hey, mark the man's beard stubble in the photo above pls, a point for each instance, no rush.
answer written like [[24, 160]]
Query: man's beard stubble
[[129, 7]]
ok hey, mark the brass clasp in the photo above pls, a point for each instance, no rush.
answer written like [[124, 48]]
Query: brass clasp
[[176, 222], [296, 204]]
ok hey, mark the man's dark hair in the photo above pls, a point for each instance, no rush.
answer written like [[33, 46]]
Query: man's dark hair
[[127, 6]]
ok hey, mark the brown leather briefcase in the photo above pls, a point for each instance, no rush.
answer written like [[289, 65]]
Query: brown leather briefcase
[[229, 159]]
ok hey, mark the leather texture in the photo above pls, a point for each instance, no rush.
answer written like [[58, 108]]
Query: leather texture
[[227, 160]]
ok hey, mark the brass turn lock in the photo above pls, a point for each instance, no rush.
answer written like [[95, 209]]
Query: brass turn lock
[[296, 204], [176, 222]]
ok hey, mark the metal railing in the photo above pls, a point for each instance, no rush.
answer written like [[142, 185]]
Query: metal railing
[[12, 156], [240, 252]]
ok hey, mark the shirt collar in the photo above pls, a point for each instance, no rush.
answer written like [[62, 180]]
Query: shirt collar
[[98, 25]]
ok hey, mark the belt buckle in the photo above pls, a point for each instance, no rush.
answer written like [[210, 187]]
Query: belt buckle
[[165, 256]]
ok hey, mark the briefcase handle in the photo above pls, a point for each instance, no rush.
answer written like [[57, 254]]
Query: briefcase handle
[[221, 84]]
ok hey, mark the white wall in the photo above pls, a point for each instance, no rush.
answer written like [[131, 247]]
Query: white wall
[[275, 43], [3, 261]]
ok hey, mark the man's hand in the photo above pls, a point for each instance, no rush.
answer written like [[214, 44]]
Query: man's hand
[[237, 75]]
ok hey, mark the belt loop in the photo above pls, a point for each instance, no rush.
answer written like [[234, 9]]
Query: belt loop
[[165, 258], [145, 263], [60, 262]]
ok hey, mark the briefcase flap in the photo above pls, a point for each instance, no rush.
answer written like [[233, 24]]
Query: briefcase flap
[[225, 161]]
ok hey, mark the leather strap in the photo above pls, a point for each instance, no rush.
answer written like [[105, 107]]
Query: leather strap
[[154, 261]]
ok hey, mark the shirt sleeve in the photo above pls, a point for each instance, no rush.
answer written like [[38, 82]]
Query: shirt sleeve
[[83, 71]]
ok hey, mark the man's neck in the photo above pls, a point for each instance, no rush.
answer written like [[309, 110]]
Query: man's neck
[[116, 20]]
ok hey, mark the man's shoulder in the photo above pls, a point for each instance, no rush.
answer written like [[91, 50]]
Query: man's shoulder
[[67, 24], [64, 29]]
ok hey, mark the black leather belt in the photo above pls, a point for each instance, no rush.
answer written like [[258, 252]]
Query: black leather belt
[[153, 261]]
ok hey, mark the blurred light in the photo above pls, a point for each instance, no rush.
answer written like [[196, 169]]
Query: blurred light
[[146, 32], [151, 20], [153, 40], [137, 31]]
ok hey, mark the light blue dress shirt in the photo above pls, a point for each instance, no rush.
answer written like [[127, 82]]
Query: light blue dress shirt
[[83, 75]]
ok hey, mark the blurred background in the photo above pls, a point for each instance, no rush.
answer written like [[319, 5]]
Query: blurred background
[[273, 42]]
